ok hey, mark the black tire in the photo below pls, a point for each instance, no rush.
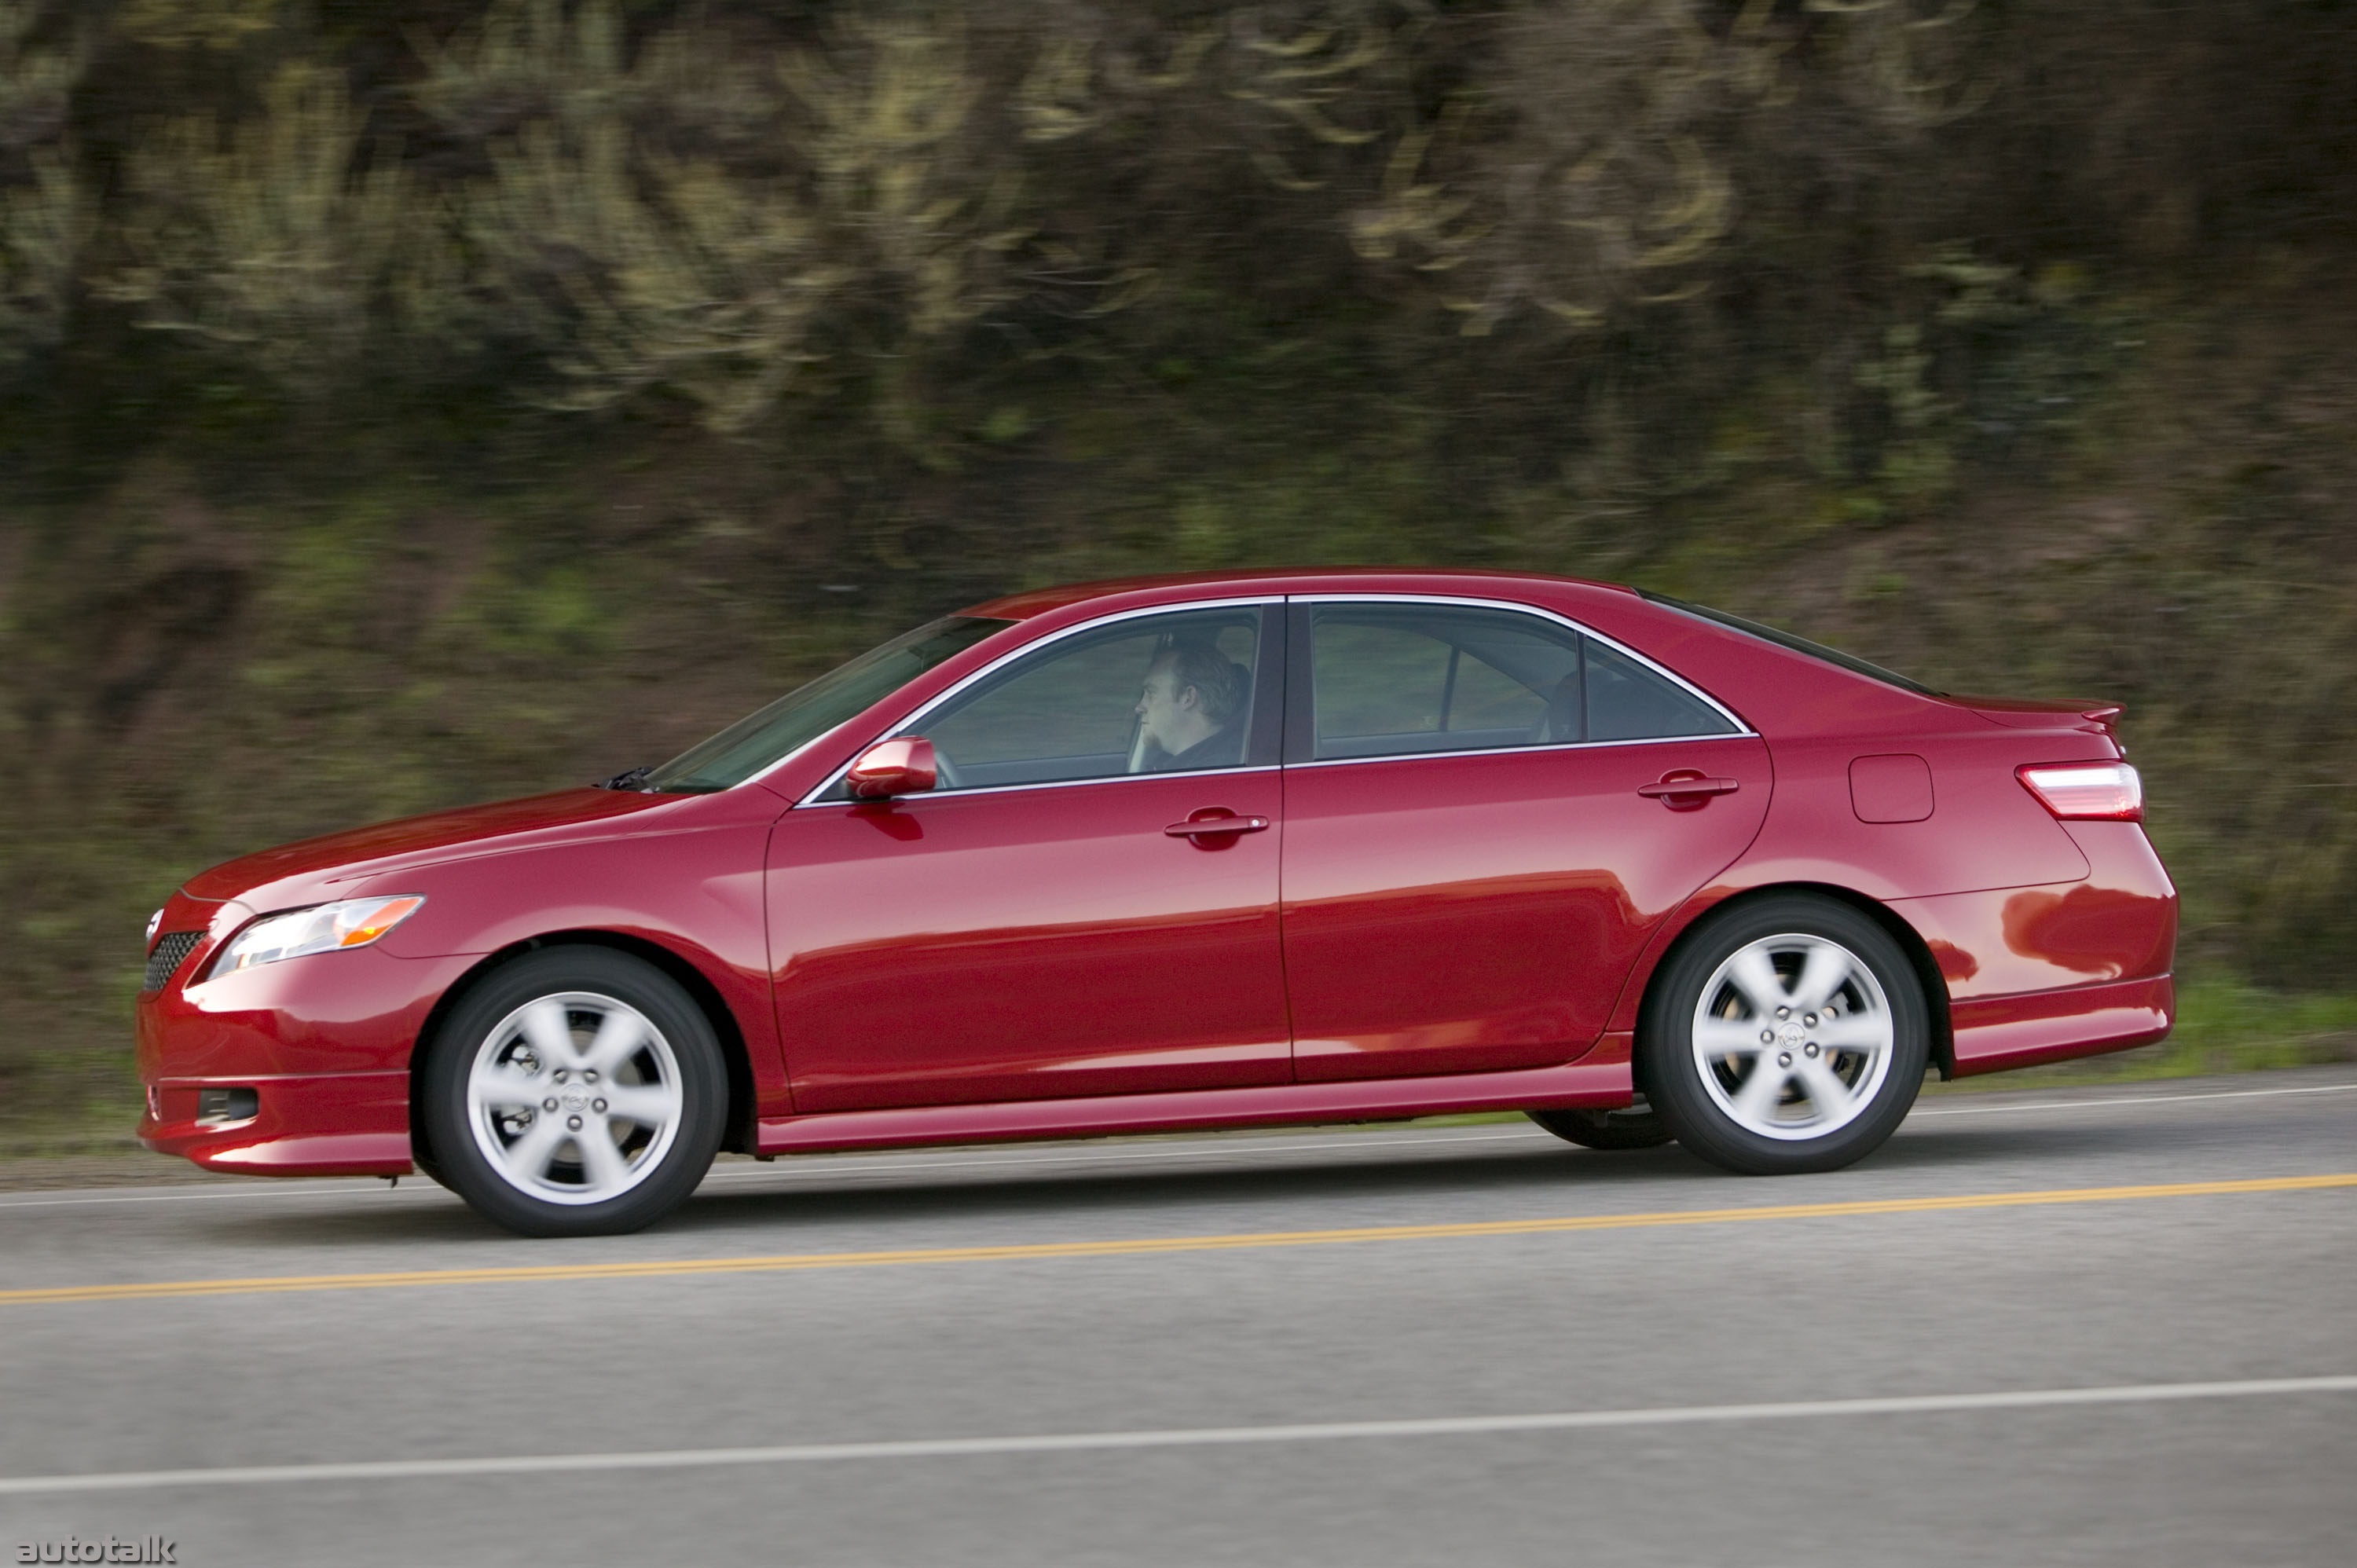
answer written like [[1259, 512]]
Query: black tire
[[678, 1066], [1636, 1127], [1811, 1081], [427, 1167]]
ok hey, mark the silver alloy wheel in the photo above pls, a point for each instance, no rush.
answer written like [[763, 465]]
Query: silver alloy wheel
[[1792, 1037], [573, 1098]]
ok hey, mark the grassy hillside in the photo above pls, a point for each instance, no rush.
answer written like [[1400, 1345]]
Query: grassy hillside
[[2017, 353], [206, 657]]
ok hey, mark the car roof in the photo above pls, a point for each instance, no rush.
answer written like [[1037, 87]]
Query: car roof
[[1276, 579], [1769, 686]]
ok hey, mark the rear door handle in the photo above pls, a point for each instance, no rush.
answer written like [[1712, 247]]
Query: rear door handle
[[1206, 827], [1669, 789]]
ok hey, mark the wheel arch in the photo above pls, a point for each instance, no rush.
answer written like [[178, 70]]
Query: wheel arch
[[1911, 942], [737, 1137]]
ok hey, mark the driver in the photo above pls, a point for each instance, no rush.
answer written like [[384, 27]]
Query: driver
[[1193, 696]]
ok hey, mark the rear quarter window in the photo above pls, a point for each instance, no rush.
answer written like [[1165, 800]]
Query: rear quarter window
[[1628, 701]]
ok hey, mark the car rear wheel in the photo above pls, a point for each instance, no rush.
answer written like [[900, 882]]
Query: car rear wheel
[[578, 1091], [1634, 1127], [1789, 1034]]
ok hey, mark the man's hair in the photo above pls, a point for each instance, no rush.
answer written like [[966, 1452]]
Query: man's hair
[[1219, 682]]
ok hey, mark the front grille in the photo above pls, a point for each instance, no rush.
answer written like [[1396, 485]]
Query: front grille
[[171, 950]]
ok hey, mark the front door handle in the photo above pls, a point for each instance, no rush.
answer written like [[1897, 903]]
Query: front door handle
[[1685, 793], [1209, 827]]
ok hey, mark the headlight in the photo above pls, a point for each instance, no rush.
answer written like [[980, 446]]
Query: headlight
[[354, 923]]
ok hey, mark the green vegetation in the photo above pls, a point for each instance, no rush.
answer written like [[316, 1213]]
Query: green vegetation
[[444, 399]]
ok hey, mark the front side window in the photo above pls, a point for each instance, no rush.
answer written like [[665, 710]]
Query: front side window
[[757, 743], [1404, 680], [1159, 693]]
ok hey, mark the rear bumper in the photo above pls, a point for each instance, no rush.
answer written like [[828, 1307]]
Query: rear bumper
[[1993, 1032], [2042, 974]]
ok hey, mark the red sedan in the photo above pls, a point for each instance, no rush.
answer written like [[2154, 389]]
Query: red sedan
[[1213, 851]]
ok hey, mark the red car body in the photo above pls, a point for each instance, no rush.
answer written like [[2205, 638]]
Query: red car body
[[984, 966]]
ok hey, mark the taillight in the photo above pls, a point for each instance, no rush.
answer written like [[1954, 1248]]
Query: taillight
[[2084, 791]]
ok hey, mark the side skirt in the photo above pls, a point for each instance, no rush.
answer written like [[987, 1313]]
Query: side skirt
[[1589, 1082]]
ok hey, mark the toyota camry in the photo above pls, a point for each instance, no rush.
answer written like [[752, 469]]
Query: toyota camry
[[1198, 852]]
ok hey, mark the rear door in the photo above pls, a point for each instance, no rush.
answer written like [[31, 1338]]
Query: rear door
[[1479, 834]]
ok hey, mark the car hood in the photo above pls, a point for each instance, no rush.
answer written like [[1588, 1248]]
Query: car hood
[[416, 840]]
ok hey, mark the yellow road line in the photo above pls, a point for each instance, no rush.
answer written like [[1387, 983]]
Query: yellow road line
[[779, 1262]]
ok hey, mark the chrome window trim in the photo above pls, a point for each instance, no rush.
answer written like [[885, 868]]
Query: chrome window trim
[[961, 794], [1010, 657], [1514, 750], [1740, 731]]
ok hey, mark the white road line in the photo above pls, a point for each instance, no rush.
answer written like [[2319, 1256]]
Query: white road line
[[839, 1164], [1182, 1438], [2132, 1100]]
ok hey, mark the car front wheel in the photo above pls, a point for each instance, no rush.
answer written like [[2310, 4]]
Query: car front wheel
[[577, 1091], [1789, 1034]]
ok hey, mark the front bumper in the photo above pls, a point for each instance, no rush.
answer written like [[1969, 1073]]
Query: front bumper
[[345, 1124], [323, 1043]]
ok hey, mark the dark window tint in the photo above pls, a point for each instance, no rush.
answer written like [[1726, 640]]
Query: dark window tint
[[1628, 701], [1155, 695], [1397, 680], [1406, 679], [1849, 662], [801, 716]]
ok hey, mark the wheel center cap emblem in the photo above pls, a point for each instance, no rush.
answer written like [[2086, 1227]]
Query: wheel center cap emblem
[[574, 1100], [1791, 1035]]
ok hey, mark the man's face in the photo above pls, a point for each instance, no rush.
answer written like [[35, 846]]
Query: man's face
[[1167, 712]]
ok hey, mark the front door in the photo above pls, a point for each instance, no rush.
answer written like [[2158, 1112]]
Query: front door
[[1471, 868], [1053, 919]]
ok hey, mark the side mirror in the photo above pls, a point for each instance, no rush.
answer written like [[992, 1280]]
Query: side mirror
[[900, 766]]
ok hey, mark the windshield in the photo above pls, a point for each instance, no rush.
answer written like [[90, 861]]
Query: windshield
[[802, 716], [1849, 662]]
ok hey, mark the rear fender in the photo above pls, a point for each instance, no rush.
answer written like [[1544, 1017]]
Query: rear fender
[[1629, 1010]]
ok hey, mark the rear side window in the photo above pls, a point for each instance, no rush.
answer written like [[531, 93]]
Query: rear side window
[[1391, 679]]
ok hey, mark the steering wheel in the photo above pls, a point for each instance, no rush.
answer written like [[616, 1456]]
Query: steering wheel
[[945, 773]]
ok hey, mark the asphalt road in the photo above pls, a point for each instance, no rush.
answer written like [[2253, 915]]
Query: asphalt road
[[1156, 1351]]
